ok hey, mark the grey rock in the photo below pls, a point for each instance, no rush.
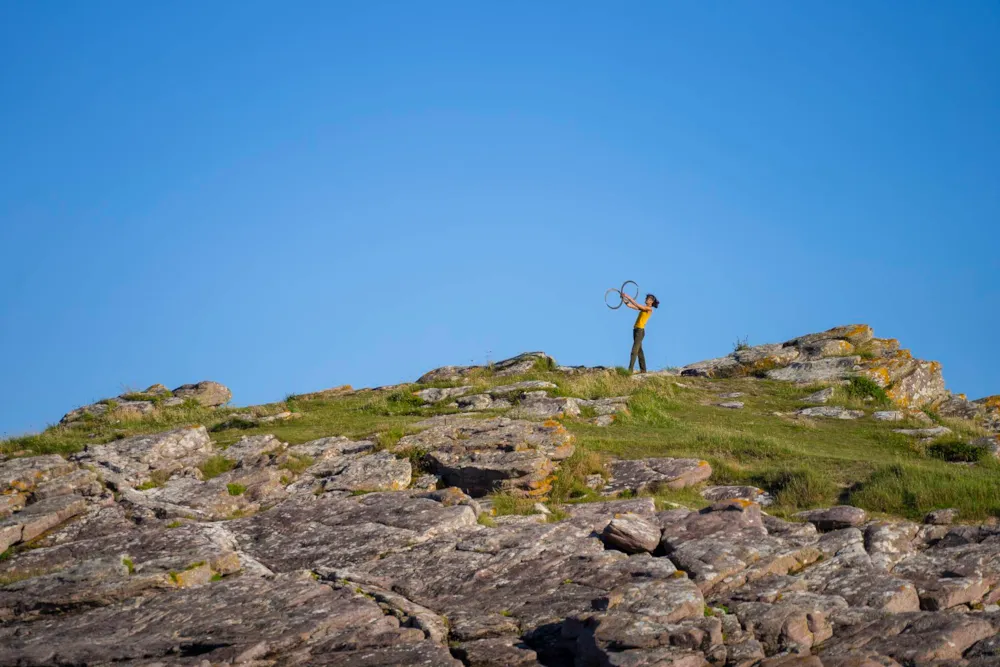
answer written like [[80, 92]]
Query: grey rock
[[889, 416], [230, 621], [380, 471], [632, 534], [944, 517], [207, 393], [934, 432], [958, 407], [834, 518], [820, 397], [37, 518], [23, 475], [731, 394], [132, 461], [731, 405], [831, 412], [435, 395], [540, 406], [603, 420], [819, 370], [751, 493], [497, 652], [481, 456], [640, 475]]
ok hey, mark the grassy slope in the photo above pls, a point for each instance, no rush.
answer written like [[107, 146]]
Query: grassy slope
[[805, 463]]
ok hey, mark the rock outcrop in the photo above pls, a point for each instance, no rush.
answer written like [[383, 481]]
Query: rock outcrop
[[173, 549], [836, 355], [138, 404]]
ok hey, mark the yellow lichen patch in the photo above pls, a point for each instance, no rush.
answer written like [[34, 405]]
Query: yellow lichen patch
[[879, 375], [702, 463], [992, 402], [935, 366]]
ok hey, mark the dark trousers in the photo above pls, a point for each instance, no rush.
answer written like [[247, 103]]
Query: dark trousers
[[637, 336]]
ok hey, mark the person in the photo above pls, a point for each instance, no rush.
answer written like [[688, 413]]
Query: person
[[639, 330]]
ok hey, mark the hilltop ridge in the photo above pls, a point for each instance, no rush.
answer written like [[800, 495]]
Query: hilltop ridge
[[823, 502]]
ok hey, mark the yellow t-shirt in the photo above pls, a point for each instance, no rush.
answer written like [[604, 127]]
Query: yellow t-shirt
[[640, 322]]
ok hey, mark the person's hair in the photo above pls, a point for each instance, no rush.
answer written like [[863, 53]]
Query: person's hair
[[656, 302]]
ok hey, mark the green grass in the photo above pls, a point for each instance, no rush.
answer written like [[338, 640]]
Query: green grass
[[297, 463], [129, 565], [215, 466], [804, 463], [236, 489]]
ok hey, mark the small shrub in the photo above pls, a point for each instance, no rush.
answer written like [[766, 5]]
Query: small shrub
[[741, 344], [544, 364], [127, 562], [486, 520], [215, 466], [236, 489], [417, 457], [799, 487], [956, 451], [865, 388], [622, 371]]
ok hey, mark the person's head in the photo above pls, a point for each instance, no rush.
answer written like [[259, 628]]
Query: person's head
[[651, 300]]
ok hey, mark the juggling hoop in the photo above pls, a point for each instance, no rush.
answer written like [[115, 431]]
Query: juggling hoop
[[613, 298]]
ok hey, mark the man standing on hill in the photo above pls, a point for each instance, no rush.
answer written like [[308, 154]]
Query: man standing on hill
[[639, 330]]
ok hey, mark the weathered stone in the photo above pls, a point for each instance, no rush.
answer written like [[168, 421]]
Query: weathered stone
[[496, 652], [631, 534], [326, 448], [603, 420], [923, 386], [235, 493], [37, 518], [934, 432], [207, 393], [348, 530], [731, 405], [375, 472], [751, 493], [25, 474], [831, 412], [820, 370], [958, 407], [435, 395], [888, 416], [944, 517], [133, 460], [834, 518], [522, 363], [711, 368], [856, 334], [537, 405], [481, 456], [821, 396], [231, 621], [638, 475]]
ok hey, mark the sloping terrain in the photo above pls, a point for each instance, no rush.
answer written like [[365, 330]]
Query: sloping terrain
[[825, 501]]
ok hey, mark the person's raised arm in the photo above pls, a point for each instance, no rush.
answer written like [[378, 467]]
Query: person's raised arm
[[631, 303]]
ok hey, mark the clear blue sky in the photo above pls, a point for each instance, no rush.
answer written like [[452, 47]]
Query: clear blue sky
[[289, 196]]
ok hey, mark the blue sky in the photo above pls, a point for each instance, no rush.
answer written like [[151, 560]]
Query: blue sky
[[289, 196]]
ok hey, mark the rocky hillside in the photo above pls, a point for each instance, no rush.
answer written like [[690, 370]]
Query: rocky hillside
[[824, 502]]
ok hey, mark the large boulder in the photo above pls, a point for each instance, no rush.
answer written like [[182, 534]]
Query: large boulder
[[837, 355], [207, 393], [482, 456], [133, 461]]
